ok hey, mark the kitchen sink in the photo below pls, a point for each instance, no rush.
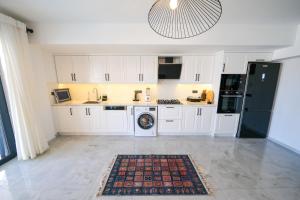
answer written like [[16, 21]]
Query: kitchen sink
[[91, 102]]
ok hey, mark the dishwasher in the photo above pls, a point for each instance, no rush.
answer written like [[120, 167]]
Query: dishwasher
[[115, 119]]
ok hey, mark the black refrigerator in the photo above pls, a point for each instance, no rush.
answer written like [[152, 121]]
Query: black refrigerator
[[259, 95]]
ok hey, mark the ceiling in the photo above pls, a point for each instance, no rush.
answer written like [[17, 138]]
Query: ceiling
[[135, 11]]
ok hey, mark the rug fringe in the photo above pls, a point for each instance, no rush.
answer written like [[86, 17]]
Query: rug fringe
[[202, 175], [105, 177]]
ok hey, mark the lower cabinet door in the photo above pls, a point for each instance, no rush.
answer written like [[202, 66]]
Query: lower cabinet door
[[114, 121], [169, 125], [63, 118], [227, 124]]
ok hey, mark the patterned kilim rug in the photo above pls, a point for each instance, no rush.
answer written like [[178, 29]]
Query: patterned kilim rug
[[153, 175]]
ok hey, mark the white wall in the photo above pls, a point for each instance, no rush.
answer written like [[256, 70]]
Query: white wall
[[285, 123], [142, 34]]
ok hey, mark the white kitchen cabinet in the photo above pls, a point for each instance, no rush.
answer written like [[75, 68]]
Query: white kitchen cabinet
[[132, 66], [170, 126], [115, 69], [114, 121], [63, 118], [169, 112], [130, 121], [197, 119], [140, 69], [64, 69], [227, 124], [149, 69], [77, 119], [72, 69], [197, 69], [259, 57], [98, 71], [235, 63]]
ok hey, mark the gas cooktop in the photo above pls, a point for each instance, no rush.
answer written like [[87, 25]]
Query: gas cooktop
[[168, 101]]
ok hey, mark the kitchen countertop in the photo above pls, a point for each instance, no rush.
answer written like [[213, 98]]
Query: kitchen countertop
[[132, 103]]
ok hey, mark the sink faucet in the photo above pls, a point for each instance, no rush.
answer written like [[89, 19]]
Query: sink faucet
[[97, 94]]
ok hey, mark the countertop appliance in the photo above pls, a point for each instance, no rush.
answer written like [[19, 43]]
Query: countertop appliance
[[258, 101], [136, 95], [169, 68], [168, 101], [231, 93], [145, 122], [193, 99], [62, 95]]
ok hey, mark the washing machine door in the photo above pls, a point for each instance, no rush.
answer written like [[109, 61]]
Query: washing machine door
[[145, 121]]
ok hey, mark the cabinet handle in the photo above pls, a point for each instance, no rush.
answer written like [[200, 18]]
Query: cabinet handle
[[224, 67], [75, 77], [197, 111], [169, 107], [142, 77], [139, 77], [228, 115], [200, 111], [72, 77], [108, 77], [195, 77], [86, 112], [169, 120], [71, 112], [105, 77], [89, 111], [198, 77]]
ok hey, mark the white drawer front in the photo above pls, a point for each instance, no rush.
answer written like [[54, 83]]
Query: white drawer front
[[169, 125], [169, 112]]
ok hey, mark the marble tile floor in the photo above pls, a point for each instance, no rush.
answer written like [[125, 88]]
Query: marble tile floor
[[236, 169]]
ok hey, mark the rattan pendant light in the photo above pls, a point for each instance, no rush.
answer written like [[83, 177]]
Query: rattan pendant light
[[179, 19]]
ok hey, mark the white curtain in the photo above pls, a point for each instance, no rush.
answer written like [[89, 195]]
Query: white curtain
[[17, 78]]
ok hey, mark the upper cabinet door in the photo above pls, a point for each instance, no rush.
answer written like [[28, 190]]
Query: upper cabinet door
[[205, 74], [98, 71], [189, 69], [81, 69], [115, 69], [235, 63], [132, 68], [64, 69], [149, 69]]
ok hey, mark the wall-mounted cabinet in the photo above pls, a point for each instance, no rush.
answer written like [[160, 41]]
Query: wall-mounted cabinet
[[106, 69], [197, 69], [72, 69], [236, 63]]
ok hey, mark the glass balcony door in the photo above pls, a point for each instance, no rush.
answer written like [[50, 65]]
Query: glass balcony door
[[7, 141]]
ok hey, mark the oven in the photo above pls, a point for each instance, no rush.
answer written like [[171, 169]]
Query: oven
[[230, 103]]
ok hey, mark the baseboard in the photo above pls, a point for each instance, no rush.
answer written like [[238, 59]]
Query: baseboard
[[95, 134], [183, 134], [284, 145]]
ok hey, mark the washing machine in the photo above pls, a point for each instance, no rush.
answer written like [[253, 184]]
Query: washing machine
[[145, 120]]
